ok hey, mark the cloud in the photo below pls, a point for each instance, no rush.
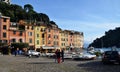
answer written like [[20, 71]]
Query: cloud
[[102, 25], [93, 26], [95, 17], [91, 30]]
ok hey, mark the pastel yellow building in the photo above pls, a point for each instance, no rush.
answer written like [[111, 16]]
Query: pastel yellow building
[[64, 42], [78, 39], [40, 36], [37, 36], [71, 39]]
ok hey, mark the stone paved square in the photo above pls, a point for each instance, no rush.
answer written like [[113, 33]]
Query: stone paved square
[[44, 64]]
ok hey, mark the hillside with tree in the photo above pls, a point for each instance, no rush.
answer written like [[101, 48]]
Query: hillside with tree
[[27, 13], [110, 39]]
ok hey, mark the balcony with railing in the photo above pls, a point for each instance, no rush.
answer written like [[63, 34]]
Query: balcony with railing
[[13, 26]]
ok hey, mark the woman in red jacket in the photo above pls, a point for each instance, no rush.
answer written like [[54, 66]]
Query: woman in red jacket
[[58, 56]]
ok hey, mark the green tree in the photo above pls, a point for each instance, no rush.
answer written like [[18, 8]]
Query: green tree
[[52, 22], [30, 13], [3, 44], [20, 45], [28, 7], [16, 13], [110, 39], [43, 17]]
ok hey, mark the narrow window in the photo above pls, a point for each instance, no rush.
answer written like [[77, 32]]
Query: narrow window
[[4, 34], [37, 41], [21, 33], [4, 20], [14, 32], [30, 40], [49, 42], [37, 35], [4, 27], [20, 40], [13, 40]]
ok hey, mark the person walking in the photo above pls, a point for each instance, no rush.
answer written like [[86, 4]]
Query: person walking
[[58, 56], [62, 55], [15, 52]]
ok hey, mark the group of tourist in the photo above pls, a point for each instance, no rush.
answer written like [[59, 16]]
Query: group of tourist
[[59, 56]]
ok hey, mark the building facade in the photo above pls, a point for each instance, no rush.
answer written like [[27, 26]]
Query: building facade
[[77, 41], [64, 41], [45, 37], [4, 29], [29, 35], [71, 39], [55, 36]]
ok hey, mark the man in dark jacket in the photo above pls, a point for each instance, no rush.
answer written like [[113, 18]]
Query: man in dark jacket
[[56, 55], [62, 55]]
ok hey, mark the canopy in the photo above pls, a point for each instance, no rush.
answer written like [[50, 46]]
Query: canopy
[[48, 47]]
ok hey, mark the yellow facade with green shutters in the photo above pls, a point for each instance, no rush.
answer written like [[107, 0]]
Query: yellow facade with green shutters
[[37, 36], [40, 36]]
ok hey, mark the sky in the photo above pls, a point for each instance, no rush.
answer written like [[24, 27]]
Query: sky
[[92, 17]]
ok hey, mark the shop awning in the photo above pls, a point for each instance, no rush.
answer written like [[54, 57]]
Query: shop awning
[[47, 47]]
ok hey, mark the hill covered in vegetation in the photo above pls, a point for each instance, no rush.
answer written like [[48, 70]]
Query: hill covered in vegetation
[[17, 12], [110, 39]]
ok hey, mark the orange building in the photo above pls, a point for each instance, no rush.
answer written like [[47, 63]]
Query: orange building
[[49, 36], [4, 27], [39, 36], [15, 33], [52, 38], [70, 39], [55, 36]]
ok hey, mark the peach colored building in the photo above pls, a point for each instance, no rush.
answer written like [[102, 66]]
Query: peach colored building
[[4, 27], [15, 33], [52, 38], [29, 35], [55, 36], [81, 39], [49, 36], [70, 39]]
